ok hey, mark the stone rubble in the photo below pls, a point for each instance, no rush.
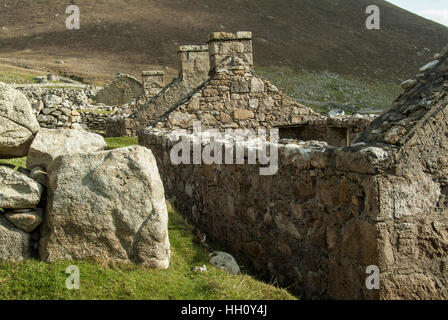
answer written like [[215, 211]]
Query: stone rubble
[[14, 243], [25, 221]]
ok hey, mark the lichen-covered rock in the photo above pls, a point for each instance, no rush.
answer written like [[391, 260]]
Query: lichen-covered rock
[[106, 205], [49, 144], [18, 191], [14, 243], [18, 125], [25, 221], [225, 261]]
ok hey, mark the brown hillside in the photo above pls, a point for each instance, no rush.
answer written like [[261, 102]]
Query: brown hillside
[[128, 36]]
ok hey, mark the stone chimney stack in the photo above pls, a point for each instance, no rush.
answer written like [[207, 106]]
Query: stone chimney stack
[[229, 50], [193, 61], [152, 82]]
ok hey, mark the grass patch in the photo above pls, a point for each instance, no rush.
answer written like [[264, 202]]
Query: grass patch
[[39, 280], [120, 142], [18, 162], [17, 77]]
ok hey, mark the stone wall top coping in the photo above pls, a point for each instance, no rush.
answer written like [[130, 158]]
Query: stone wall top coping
[[362, 158], [124, 76], [331, 120], [153, 73], [193, 48], [226, 36]]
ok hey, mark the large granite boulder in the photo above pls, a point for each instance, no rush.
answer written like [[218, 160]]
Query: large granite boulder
[[18, 125], [51, 143], [107, 205], [17, 191], [14, 243]]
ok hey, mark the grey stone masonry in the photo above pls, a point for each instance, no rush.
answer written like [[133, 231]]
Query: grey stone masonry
[[229, 49], [193, 60], [152, 82]]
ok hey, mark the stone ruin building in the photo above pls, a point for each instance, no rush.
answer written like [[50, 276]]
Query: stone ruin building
[[193, 70], [349, 193], [218, 86], [375, 198], [122, 90]]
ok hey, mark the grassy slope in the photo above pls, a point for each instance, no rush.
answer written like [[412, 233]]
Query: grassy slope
[[39, 280]]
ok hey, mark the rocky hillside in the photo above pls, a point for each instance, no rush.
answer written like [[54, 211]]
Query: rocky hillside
[[132, 35]]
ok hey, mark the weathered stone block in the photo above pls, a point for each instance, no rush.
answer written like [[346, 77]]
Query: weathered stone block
[[106, 205]]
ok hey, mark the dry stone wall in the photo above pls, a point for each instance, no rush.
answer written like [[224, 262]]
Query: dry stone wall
[[413, 226], [59, 108], [321, 220], [311, 226], [233, 99]]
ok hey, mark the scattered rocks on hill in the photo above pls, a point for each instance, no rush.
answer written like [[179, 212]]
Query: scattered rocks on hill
[[17, 123], [107, 205], [51, 143], [17, 191]]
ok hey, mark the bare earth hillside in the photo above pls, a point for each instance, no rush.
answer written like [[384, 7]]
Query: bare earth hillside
[[129, 36]]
